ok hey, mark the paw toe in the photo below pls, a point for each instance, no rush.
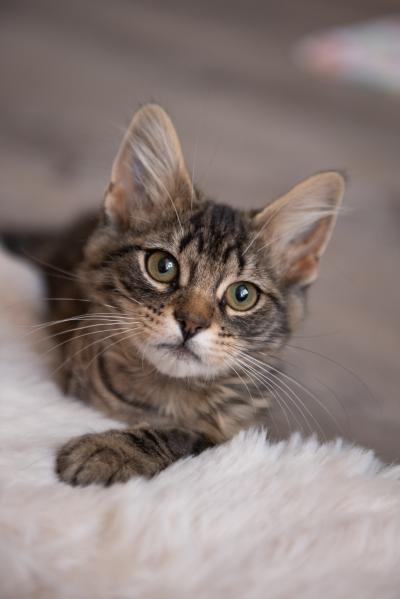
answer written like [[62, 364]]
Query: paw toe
[[87, 460]]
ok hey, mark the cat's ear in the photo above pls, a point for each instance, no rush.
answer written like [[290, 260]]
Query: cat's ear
[[149, 167], [296, 228]]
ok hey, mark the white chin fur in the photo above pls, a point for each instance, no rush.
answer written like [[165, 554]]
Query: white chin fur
[[178, 366], [181, 366]]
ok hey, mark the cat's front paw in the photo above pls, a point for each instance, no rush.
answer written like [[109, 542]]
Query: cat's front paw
[[100, 458]]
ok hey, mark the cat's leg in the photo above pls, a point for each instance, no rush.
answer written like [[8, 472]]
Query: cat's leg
[[117, 455]]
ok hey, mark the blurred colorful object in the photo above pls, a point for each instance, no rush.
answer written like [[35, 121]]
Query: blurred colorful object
[[367, 53]]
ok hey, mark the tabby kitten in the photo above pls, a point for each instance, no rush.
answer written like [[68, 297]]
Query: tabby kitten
[[178, 302]]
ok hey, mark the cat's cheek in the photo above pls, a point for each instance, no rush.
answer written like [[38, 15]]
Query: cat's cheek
[[155, 330], [167, 331]]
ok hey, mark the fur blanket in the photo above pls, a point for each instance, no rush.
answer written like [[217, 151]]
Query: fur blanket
[[248, 519]]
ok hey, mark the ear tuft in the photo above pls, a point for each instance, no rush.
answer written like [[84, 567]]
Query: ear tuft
[[297, 227], [149, 166]]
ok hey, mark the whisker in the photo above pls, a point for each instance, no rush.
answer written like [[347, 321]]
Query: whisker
[[55, 275], [128, 336], [246, 373], [79, 327], [76, 337], [291, 400], [319, 381], [89, 316], [70, 275], [70, 358], [243, 381], [339, 365], [274, 372], [62, 299], [281, 385], [270, 385]]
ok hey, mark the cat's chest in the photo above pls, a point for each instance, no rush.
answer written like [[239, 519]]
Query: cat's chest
[[134, 393]]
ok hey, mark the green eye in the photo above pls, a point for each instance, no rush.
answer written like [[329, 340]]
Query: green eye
[[162, 267], [241, 296]]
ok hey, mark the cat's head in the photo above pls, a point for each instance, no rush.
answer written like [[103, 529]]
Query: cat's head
[[200, 284]]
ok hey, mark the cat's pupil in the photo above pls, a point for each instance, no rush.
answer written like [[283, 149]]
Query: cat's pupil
[[241, 293], [165, 265]]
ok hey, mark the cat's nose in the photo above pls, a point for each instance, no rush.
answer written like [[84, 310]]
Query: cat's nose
[[190, 324]]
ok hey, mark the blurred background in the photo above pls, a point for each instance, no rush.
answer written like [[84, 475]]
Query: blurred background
[[263, 94]]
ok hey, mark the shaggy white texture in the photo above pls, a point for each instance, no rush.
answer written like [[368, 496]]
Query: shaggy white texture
[[248, 519]]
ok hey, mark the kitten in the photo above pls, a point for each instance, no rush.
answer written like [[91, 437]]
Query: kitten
[[180, 303]]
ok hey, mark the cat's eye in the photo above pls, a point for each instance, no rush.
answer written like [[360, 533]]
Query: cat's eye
[[241, 296], [162, 267]]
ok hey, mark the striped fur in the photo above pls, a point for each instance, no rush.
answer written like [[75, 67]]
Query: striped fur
[[123, 350]]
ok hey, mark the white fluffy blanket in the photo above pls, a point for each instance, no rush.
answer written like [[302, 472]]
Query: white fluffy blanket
[[249, 519]]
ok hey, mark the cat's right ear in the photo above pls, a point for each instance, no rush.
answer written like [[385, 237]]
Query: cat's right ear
[[149, 168], [297, 227]]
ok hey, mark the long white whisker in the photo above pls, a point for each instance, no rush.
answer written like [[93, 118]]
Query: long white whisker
[[70, 275], [332, 361], [85, 349], [319, 381], [290, 394], [248, 374], [74, 299], [79, 318], [243, 381], [267, 382], [121, 340], [76, 337], [272, 371], [291, 397], [82, 328]]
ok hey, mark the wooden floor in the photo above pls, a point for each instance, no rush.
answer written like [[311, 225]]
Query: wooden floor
[[252, 123]]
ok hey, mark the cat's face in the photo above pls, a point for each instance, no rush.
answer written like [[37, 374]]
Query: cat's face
[[199, 284], [197, 294]]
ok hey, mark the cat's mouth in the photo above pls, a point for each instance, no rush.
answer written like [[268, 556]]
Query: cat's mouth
[[178, 360], [180, 350]]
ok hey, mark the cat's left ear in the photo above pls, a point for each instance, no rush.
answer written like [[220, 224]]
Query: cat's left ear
[[149, 169], [296, 228]]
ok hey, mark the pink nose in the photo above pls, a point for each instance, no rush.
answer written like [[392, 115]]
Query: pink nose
[[190, 324]]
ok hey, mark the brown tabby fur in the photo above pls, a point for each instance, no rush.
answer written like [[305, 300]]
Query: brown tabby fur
[[177, 397]]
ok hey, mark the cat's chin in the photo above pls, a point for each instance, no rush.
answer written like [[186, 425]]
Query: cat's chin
[[178, 364]]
